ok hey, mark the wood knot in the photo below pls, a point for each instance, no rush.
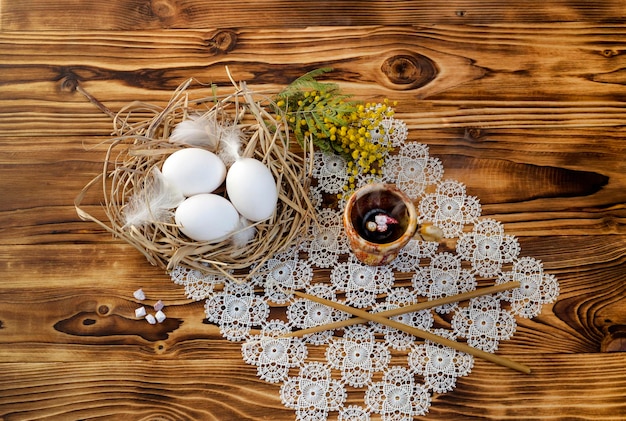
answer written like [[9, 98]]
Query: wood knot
[[103, 309], [409, 71], [610, 52], [615, 339], [163, 9], [222, 41], [473, 133], [69, 83], [160, 347], [89, 322]]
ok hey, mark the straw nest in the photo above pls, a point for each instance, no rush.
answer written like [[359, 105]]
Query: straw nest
[[141, 143]]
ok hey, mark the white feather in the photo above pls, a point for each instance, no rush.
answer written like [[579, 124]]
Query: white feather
[[230, 144], [244, 233], [153, 203], [198, 130]]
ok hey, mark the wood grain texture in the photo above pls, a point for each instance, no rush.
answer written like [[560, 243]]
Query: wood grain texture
[[154, 14], [524, 102], [191, 390]]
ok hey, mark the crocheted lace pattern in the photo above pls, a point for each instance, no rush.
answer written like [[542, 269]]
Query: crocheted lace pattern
[[395, 374]]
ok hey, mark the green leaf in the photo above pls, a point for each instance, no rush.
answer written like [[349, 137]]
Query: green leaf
[[308, 82]]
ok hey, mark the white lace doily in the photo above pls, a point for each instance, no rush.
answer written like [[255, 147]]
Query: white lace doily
[[394, 373]]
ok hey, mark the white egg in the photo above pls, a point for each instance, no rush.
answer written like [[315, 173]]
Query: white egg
[[252, 189], [206, 217], [194, 171]]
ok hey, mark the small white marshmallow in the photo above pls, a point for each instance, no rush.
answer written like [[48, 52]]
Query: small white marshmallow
[[139, 295], [160, 316], [158, 306]]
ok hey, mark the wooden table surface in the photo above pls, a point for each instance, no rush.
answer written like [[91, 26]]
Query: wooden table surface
[[523, 101]]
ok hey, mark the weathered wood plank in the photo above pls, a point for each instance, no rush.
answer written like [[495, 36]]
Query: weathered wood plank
[[535, 181], [137, 14], [552, 374], [148, 390], [70, 301], [452, 74], [48, 122], [204, 389]]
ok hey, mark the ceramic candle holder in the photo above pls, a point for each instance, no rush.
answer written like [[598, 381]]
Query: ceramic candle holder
[[378, 243]]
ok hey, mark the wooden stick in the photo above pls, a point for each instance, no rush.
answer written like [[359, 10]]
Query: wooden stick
[[424, 305], [459, 346]]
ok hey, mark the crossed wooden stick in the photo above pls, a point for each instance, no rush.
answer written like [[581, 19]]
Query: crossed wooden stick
[[383, 318]]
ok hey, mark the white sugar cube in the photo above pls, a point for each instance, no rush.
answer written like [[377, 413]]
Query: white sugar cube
[[139, 295], [160, 316], [158, 306], [140, 312], [150, 318]]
